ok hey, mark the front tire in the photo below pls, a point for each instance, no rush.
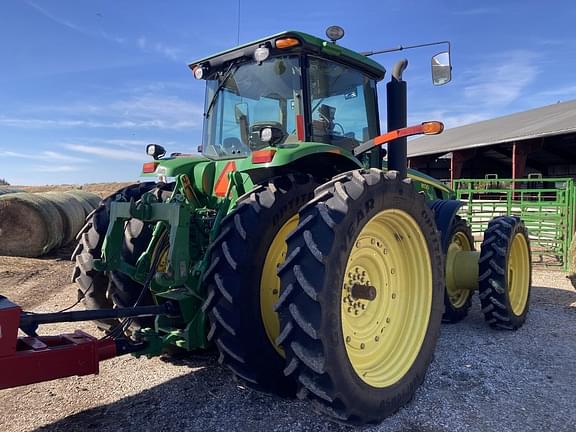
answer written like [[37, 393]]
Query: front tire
[[106, 290], [361, 297]]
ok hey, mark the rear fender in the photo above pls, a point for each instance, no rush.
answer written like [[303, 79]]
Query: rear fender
[[323, 161], [444, 213]]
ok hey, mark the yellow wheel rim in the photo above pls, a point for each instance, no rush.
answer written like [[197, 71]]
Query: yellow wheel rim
[[458, 243], [270, 282], [383, 336], [163, 261], [518, 271]]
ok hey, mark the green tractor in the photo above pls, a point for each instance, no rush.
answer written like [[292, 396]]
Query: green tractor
[[315, 266]]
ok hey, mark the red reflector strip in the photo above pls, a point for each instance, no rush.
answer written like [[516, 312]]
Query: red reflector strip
[[263, 156], [222, 183], [300, 127], [149, 167]]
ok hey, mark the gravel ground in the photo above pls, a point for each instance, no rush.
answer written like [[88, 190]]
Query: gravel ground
[[480, 380]]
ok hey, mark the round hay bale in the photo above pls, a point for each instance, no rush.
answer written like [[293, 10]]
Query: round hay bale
[[86, 206], [7, 190], [71, 211], [30, 225], [88, 200]]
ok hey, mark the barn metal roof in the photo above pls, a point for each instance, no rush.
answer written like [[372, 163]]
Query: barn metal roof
[[550, 120]]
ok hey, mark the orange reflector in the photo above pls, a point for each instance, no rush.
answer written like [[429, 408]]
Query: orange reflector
[[287, 42], [149, 167], [263, 156], [222, 183], [432, 127]]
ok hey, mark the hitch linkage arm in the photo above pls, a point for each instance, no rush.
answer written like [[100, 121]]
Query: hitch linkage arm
[[31, 359]]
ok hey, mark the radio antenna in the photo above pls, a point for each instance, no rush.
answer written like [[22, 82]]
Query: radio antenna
[[238, 32]]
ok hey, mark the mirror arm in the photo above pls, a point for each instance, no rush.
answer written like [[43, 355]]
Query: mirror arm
[[401, 48]]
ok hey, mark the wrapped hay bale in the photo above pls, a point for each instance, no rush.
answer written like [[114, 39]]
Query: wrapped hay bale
[[71, 211], [88, 200], [30, 225], [7, 190]]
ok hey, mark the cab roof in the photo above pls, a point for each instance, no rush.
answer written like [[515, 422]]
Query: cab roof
[[308, 43]]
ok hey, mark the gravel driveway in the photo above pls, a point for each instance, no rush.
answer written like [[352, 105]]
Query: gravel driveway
[[480, 380]]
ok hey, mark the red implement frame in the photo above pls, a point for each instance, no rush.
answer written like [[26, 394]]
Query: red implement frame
[[28, 360]]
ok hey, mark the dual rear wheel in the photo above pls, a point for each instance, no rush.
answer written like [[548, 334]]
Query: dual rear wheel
[[504, 273], [359, 297]]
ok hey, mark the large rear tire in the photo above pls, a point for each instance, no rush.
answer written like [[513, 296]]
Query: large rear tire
[[242, 283], [361, 297], [505, 273]]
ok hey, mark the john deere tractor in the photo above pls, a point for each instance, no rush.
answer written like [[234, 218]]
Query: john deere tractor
[[314, 262]]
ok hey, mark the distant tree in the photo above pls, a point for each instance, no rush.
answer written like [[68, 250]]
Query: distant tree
[[4, 182]]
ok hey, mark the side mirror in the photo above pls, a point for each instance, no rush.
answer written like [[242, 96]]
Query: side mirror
[[441, 68], [155, 150]]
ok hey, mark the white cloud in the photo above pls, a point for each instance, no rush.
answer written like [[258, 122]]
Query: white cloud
[[126, 142], [486, 91], [170, 52], [477, 11], [54, 168], [56, 19], [501, 80], [450, 119], [141, 112], [143, 43], [104, 152], [565, 92], [43, 155]]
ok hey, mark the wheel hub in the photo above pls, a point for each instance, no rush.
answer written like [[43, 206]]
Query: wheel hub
[[458, 295], [386, 297]]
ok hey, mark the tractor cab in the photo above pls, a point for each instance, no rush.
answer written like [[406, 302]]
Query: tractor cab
[[289, 89], [285, 90]]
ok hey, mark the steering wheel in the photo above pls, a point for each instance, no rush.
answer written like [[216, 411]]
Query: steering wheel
[[340, 126]]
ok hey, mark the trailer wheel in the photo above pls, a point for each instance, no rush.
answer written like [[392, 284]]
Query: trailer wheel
[[505, 273], [242, 286], [457, 301], [361, 298], [100, 289]]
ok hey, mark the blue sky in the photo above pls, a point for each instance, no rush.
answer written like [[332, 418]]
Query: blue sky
[[84, 86]]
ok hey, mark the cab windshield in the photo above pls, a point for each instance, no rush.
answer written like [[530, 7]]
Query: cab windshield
[[248, 98]]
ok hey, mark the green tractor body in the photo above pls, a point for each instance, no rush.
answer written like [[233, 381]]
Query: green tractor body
[[223, 236]]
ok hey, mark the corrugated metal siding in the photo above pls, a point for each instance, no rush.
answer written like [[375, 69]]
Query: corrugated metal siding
[[546, 121]]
